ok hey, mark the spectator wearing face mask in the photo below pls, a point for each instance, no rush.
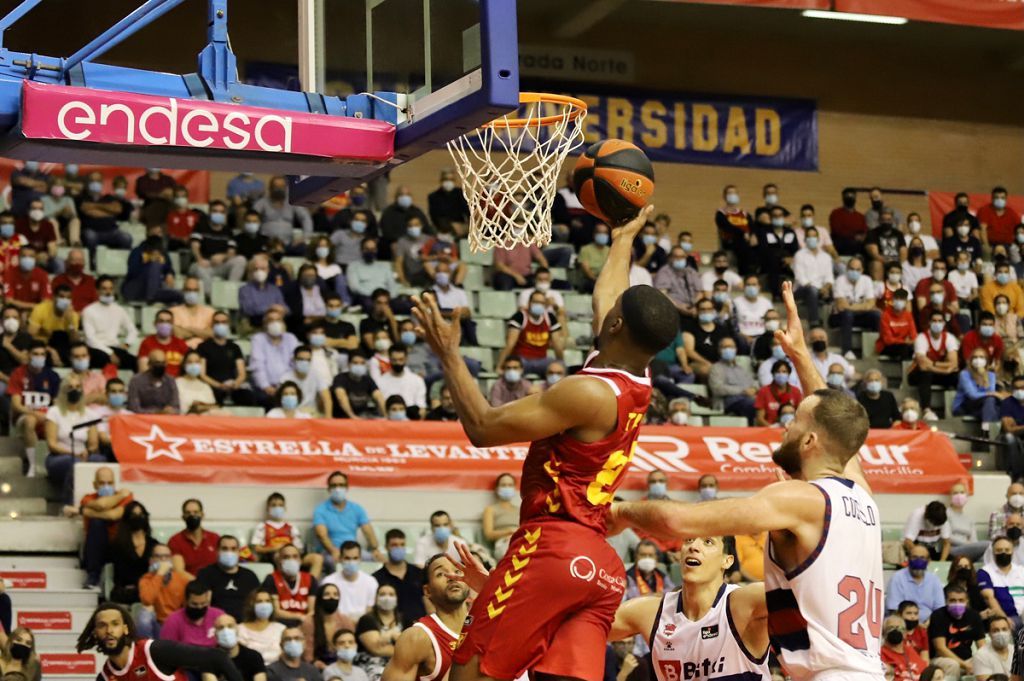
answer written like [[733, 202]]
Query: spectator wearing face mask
[[368, 274], [964, 281], [848, 225], [854, 305], [961, 241], [879, 403], [764, 344], [161, 592], [884, 244], [732, 383], [108, 328], [825, 360], [1002, 581], [954, 630], [897, 330], [259, 296], [1001, 284], [68, 437], [916, 267], [102, 511], [647, 254], [163, 338], [679, 412], [441, 538], [511, 386], [195, 394], [914, 231], [915, 583], [963, 538], [997, 659], [679, 282], [408, 255], [82, 285], [593, 256], [955, 323], [248, 241], [961, 209], [813, 274], [182, 220], [194, 623], [10, 243], [314, 390], [984, 338], [26, 285], [935, 362], [887, 289], [305, 298], [977, 393], [153, 391], [736, 229], [916, 635], [272, 353], [644, 577], [923, 289], [770, 398], [39, 233], [59, 204], [720, 270], [401, 382], [223, 364], [700, 340], [55, 323], [279, 218], [997, 220], [154, 184], [100, 214], [750, 310], [258, 631], [151, 276], [192, 320], [928, 526], [896, 652], [230, 584], [395, 219], [765, 376], [356, 395], [357, 589], [501, 518], [18, 658], [1011, 415], [292, 666], [1014, 506], [246, 661], [288, 398], [215, 250], [707, 487], [32, 388], [777, 244]]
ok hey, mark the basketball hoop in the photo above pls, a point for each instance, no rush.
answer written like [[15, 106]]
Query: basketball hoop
[[510, 166]]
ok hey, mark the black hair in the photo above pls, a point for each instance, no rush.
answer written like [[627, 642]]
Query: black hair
[[393, 533], [986, 316], [87, 639], [999, 190], [196, 587], [288, 384], [349, 544], [807, 206], [781, 364], [393, 400], [113, 381], [191, 501], [935, 513], [650, 317]]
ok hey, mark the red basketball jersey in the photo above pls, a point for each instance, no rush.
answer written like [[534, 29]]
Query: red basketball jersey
[[444, 641], [572, 480], [276, 537], [140, 666], [293, 599]]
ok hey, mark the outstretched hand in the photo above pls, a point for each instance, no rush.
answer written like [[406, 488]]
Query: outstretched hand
[[442, 336], [792, 337], [471, 571], [633, 227]]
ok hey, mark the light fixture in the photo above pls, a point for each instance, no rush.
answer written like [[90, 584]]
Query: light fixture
[[852, 16]]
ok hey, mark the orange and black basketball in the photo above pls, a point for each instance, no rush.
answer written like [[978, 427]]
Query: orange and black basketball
[[613, 180]]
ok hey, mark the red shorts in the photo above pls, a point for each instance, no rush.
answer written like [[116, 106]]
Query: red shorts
[[548, 605]]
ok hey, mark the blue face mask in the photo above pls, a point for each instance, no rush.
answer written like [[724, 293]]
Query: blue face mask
[[937, 327], [679, 264], [874, 387], [918, 563], [251, 228], [221, 330], [442, 279], [836, 380], [781, 379], [650, 239], [778, 353], [322, 252], [357, 370], [227, 559], [442, 534], [408, 338], [302, 366], [987, 331], [292, 649], [1003, 278], [193, 369], [289, 402], [601, 239], [37, 362], [291, 566], [27, 263], [785, 419], [191, 297], [263, 611], [657, 490], [80, 364], [227, 638], [706, 317], [720, 296], [218, 218], [62, 304], [812, 242], [751, 291], [506, 493], [117, 400], [346, 654], [396, 554], [276, 512], [358, 226], [536, 309], [686, 246], [317, 340], [853, 275], [7, 230], [398, 415], [95, 187], [729, 354], [338, 494], [513, 375], [350, 568], [405, 201], [105, 491], [414, 232], [334, 313]]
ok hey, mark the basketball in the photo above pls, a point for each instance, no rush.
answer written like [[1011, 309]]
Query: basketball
[[613, 180]]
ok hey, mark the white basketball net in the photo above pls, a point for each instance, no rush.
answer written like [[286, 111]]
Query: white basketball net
[[510, 173]]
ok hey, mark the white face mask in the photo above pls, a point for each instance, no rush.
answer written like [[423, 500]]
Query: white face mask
[[646, 564], [915, 226], [259, 276], [680, 418], [910, 416], [979, 363], [771, 325]]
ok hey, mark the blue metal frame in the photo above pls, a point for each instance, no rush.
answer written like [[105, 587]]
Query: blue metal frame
[[217, 79]]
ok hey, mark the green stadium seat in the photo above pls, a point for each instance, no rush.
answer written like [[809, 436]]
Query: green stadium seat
[[246, 412], [137, 230], [490, 333], [224, 295], [483, 355], [559, 273], [245, 345], [573, 357], [867, 344], [727, 421], [696, 389], [111, 262], [148, 321], [578, 305], [474, 280], [295, 261], [470, 258], [497, 304], [175, 259]]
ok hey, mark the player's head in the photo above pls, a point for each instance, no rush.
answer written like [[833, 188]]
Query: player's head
[[829, 428], [109, 630], [642, 321], [705, 559], [443, 591]]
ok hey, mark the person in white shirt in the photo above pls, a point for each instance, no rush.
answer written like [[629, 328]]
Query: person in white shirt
[[407, 385], [998, 657], [964, 280], [931, 246], [1001, 582], [935, 362], [314, 389], [916, 267], [822, 358], [749, 310], [440, 539], [108, 328], [812, 274], [963, 538], [720, 263], [358, 589], [854, 305], [117, 397], [194, 394], [928, 526], [454, 301], [807, 220], [326, 362], [288, 397]]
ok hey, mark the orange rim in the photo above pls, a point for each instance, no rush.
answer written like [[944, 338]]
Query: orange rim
[[577, 108]]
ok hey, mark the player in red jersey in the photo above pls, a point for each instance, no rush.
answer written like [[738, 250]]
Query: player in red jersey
[[424, 651], [549, 603], [111, 631]]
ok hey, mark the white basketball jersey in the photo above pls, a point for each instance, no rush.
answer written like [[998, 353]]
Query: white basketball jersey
[[709, 648], [825, 615]]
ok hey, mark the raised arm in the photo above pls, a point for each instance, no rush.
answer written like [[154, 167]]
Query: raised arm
[[614, 277], [575, 403]]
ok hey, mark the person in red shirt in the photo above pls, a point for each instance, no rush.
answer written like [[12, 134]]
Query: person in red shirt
[[910, 409], [164, 339], [923, 287], [530, 333], [985, 337], [897, 330], [182, 221], [939, 304], [26, 285], [917, 635], [39, 233], [997, 220], [10, 242], [101, 511], [83, 286], [897, 652], [770, 398], [193, 548], [848, 225]]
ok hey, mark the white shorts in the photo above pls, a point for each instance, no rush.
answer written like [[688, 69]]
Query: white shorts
[[840, 675]]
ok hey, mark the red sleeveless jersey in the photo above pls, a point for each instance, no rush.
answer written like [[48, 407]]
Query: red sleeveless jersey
[[277, 537], [293, 599], [571, 480], [444, 641], [140, 667]]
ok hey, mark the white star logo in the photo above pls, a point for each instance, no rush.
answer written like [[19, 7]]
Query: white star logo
[[158, 444]]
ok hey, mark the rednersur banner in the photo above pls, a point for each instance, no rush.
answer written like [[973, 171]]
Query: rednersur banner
[[225, 450]]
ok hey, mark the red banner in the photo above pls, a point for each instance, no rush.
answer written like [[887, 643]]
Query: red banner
[[45, 621], [1008, 14], [197, 181], [23, 580], [83, 664], [940, 203], [225, 450]]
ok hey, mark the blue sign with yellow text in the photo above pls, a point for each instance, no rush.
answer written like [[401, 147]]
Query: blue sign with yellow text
[[725, 131]]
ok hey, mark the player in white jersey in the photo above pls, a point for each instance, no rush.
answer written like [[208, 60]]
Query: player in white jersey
[[705, 630], [823, 563]]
